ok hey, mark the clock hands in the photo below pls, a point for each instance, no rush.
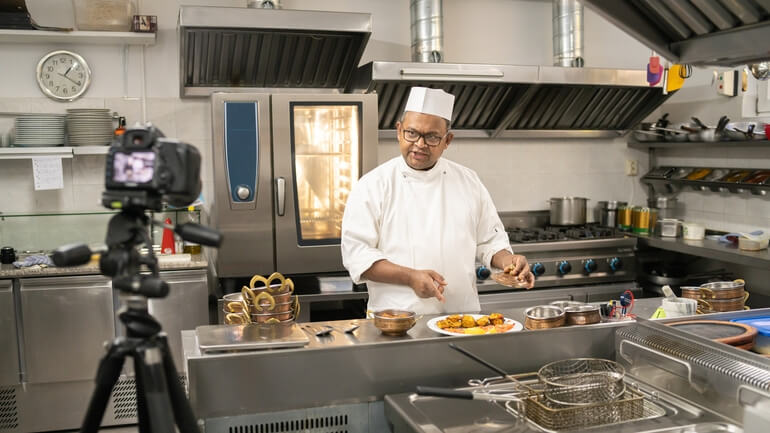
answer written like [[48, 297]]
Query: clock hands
[[65, 76]]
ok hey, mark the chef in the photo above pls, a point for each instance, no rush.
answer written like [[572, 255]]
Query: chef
[[415, 226]]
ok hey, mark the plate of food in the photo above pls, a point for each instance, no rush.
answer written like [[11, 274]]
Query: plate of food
[[473, 324]]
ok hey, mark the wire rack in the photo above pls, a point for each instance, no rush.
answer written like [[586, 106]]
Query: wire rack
[[582, 381], [533, 404]]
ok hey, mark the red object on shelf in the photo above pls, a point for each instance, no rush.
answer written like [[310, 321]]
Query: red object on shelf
[[167, 244]]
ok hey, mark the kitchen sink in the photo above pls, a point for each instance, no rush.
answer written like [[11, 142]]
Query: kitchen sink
[[664, 413]]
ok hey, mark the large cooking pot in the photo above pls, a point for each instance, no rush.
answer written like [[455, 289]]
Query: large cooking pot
[[568, 211]]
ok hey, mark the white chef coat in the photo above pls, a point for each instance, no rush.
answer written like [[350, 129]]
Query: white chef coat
[[441, 219]]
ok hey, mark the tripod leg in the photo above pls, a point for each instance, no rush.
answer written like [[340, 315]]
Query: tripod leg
[[151, 383], [183, 414], [106, 377]]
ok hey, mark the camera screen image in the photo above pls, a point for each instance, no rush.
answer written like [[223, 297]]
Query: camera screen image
[[135, 167]]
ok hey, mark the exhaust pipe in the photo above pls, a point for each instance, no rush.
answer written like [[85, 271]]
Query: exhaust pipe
[[427, 28], [567, 33], [264, 4]]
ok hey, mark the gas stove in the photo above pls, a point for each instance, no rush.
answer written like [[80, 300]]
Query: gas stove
[[563, 256], [560, 233]]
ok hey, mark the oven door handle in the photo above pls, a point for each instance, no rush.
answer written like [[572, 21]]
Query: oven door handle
[[280, 195]]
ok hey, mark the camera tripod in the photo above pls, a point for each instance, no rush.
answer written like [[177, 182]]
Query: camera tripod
[[161, 401]]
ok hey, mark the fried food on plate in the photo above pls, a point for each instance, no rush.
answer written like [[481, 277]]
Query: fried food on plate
[[467, 324], [468, 321]]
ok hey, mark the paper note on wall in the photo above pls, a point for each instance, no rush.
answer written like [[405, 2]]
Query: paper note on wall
[[47, 172]]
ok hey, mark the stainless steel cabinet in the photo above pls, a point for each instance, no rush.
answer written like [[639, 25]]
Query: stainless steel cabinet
[[65, 322], [9, 352], [185, 307]]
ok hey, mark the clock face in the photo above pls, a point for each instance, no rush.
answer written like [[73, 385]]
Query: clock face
[[63, 75]]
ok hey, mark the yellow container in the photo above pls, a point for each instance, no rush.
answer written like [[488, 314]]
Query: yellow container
[[624, 218]]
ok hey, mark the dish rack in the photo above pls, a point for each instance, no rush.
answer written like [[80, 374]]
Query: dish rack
[[528, 398]]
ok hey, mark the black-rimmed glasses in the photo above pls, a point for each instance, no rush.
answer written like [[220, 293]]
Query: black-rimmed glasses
[[431, 140]]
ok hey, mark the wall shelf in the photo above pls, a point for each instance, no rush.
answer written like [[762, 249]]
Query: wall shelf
[[60, 151], [696, 144], [672, 180], [77, 37]]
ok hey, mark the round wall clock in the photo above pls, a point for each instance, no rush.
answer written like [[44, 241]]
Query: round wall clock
[[63, 75]]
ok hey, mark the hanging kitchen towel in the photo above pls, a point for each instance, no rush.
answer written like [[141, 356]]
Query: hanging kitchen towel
[[34, 260]]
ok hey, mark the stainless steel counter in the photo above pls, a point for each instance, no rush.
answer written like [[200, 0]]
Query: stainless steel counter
[[366, 365], [91, 268], [710, 249]]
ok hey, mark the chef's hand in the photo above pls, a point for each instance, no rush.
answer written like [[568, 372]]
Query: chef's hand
[[520, 268], [427, 284]]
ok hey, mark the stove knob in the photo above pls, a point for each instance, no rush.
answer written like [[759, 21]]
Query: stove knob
[[615, 264], [537, 269], [564, 267], [589, 266]]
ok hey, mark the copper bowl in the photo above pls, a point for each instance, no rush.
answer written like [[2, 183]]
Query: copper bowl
[[720, 305], [394, 322], [544, 317], [268, 317], [583, 315]]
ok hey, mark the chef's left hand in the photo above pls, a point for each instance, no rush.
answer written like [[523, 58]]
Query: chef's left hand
[[520, 268]]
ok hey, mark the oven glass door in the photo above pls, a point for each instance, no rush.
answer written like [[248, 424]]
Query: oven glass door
[[325, 144], [318, 144]]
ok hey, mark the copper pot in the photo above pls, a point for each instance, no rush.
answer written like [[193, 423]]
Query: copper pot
[[735, 304], [723, 290], [583, 315], [544, 317]]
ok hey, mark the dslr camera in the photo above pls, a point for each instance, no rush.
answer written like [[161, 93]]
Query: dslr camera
[[143, 168]]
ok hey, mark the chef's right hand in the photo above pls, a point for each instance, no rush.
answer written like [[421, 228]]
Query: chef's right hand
[[427, 284]]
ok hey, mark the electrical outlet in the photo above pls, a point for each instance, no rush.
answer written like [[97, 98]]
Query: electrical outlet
[[632, 167]]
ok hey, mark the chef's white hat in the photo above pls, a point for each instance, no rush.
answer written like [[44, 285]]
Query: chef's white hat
[[430, 101]]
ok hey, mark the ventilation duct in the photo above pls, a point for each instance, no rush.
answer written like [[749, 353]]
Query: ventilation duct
[[427, 28], [264, 4], [567, 33]]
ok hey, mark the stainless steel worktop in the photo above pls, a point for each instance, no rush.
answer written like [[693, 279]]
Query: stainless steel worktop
[[710, 249], [91, 268], [371, 365]]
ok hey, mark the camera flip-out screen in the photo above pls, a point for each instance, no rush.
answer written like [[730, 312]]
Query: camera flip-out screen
[[134, 167]]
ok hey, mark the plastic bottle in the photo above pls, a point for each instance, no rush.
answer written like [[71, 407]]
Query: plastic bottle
[[191, 217], [121, 129]]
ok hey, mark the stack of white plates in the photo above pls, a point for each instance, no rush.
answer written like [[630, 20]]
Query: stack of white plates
[[39, 130], [89, 126]]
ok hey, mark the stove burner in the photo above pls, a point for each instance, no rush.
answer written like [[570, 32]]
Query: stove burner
[[560, 233]]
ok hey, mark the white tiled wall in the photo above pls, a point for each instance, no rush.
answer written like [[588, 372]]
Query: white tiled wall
[[522, 174]]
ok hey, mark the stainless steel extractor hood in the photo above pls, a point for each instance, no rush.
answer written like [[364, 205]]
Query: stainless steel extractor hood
[[508, 100], [517, 101], [233, 49], [698, 32]]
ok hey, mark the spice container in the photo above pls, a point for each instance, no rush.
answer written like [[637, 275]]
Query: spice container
[[735, 176], [106, 15], [682, 173], [624, 218], [758, 178], [699, 174], [643, 219]]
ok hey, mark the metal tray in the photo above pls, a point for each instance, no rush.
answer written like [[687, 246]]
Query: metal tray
[[217, 338]]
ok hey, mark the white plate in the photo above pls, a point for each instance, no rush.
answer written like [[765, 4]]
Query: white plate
[[517, 326]]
